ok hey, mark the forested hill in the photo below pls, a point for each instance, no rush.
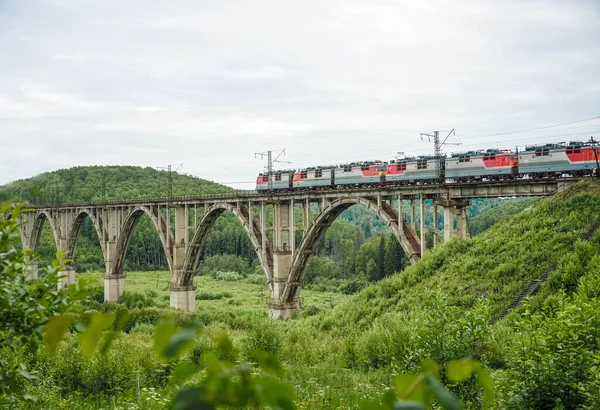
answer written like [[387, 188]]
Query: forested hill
[[95, 183]]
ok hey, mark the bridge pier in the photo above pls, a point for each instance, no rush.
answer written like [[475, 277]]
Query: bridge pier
[[455, 209], [434, 229], [31, 270], [183, 297], [283, 255], [413, 216], [114, 286], [66, 277], [423, 227]]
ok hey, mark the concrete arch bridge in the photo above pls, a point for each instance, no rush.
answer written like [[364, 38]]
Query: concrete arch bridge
[[182, 224]]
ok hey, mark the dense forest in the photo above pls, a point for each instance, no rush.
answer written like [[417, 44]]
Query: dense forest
[[355, 250]]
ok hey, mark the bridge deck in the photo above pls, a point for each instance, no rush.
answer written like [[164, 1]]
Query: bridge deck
[[481, 189]]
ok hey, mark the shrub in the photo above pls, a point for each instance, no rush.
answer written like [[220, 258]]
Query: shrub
[[264, 336], [204, 295], [256, 279], [228, 276]]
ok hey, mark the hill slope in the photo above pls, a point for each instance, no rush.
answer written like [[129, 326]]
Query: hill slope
[[493, 267], [544, 354]]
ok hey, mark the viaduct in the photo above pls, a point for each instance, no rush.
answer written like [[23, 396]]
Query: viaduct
[[183, 223]]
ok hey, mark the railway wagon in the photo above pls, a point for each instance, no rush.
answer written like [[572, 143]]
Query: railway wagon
[[360, 173], [281, 180], [576, 158], [493, 163], [412, 169], [314, 177]]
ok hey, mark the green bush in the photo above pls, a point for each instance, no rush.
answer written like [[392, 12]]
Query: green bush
[[228, 276], [264, 336], [204, 295]]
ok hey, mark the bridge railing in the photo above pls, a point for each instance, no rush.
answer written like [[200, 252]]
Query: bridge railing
[[250, 194]]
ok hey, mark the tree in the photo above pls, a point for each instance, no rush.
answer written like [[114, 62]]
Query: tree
[[394, 256], [25, 307]]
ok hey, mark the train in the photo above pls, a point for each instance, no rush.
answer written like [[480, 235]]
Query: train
[[574, 159]]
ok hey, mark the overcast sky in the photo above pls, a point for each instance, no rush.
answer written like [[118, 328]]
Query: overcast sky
[[209, 83]]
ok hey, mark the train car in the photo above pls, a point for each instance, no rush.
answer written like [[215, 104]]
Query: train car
[[575, 158], [491, 164], [314, 178], [280, 179], [413, 169], [365, 173]]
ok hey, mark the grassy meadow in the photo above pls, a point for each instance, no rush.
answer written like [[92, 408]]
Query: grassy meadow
[[243, 296]]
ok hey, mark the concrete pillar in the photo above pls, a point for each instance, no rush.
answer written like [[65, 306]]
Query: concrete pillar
[[435, 225], [114, 286], [181, 240], [448, 223], [461, 222], [31, 271], [400, 215], [292, 229], [305, 216], [423, 225], [413, 218], [66, 277], [250, 217], [263, 231], [282, 260], [111, 235], [183, 297]]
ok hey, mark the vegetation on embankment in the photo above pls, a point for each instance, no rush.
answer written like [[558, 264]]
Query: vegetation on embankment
[[491, 268]]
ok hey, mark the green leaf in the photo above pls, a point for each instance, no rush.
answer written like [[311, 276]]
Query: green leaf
[[89, 339], [183, 371], [388, 400], [190, 399], [55, 330], [112, 335], [268, 362], [410, 387], [225, 349], [369, 404], [460, 370], [408, 405], [25, 374], [165, 329], [487, 383], [182, 339], [270, 392], [446, 399], [430, 366]]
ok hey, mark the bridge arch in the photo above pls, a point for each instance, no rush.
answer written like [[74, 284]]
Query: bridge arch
[[131, 220], [75, 229], [323, 221], [204, 225], [36, 230]]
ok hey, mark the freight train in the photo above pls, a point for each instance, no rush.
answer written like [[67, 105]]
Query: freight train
[[536, 161]]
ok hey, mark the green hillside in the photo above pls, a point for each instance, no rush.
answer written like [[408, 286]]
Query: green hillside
[[440, 307]]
